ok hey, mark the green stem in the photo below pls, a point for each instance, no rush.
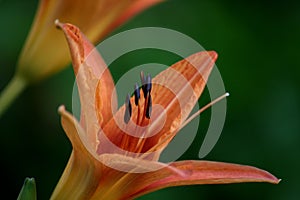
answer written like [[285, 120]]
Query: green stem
[[11, 92]]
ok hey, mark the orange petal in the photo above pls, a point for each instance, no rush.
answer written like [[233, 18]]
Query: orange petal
[[121, 171], [94, 81], [135, 8], [197, 172], [175, 90], [83, 172]]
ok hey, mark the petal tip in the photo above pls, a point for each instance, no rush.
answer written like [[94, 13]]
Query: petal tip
[[61, 109], [278, 181], [270, 178], [213, 55], [275, 180], [71, 31]]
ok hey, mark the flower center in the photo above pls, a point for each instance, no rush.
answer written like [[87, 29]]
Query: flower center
[[143, 110], [138, 110]]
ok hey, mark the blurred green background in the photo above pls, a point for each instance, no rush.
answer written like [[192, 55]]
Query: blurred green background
[[258, 46]]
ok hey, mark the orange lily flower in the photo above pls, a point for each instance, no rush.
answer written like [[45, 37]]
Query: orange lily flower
[[106, 161]]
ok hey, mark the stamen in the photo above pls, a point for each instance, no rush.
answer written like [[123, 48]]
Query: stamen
[[203, 109], [143, 80], [149, 107], [136, 94], [128, 109], [170, 134], [148, 83]]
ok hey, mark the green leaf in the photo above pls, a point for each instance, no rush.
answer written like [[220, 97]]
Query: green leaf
[[28, 191]]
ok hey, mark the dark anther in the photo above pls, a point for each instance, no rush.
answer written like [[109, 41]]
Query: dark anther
[[136, 94], [128, 109], [143, 80], [144, 83], [148, 83], [149, 107], [144, 91], [147, 86]]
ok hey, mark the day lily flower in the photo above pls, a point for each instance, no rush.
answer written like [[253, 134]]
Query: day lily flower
[[45, 52], [115, 153]]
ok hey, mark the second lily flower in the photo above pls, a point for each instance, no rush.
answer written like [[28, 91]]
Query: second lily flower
[[45, 51]]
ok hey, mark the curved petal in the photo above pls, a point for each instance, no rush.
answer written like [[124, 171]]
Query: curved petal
[[122, 171], [82, 174], [175, 91], [94, 81], [132, 10], [197, 172]]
